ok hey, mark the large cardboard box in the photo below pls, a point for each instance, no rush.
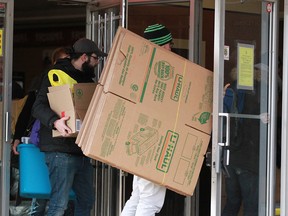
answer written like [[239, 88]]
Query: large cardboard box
[[75, 103], [150, 114]]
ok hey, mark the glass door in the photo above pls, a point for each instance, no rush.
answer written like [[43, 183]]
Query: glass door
[[244, 121], [6, 42]]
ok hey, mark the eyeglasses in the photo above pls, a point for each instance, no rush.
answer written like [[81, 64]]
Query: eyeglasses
[[97, 58], [171, 44]]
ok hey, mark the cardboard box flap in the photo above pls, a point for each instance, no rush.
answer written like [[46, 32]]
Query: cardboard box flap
[[111, 60], [55, 97], [83, 93], [56, 102], [124, 74], [59, 88], [93, 122], [89, 114]]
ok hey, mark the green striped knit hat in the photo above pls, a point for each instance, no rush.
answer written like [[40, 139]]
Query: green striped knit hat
[[158, 34]]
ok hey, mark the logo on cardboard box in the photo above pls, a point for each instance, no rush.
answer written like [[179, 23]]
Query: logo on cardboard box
[[168, 150], [201, 117], [78, 93], [163, 70], [176, 91]]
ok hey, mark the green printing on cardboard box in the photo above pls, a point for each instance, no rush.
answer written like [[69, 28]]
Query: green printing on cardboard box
[[163, 70], [159, 90], [78, 93], [201, 117], [176, 91], [140, 142], [134, 87], [112, 127], [147, 75], [168, 150], [204, 117]]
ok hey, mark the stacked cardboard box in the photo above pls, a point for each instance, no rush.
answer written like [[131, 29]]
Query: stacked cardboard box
[[150, 114], [75, 105]]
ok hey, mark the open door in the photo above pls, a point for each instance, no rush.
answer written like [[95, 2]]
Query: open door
[[244, 121]]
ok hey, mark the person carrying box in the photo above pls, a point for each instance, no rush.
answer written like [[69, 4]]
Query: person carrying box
[[68, 167], [148, 198]]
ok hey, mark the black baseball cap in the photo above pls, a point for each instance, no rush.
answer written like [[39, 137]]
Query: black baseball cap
[[87, 46]]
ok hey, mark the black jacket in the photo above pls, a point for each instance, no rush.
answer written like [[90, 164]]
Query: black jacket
[[42, 111], [245, 133], [25, 121]]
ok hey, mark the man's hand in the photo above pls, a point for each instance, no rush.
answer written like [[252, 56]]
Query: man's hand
[[14, 146], [62, 127], [225, 88], [265, 118]]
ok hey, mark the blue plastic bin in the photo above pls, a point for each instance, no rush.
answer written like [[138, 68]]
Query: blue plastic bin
[[34, 178]]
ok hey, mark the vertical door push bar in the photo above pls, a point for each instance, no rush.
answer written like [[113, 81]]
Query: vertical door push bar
[[223, 144]]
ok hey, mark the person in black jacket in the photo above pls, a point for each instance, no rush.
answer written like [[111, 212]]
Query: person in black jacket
[[25, 120], [68, 167], [24, 125]]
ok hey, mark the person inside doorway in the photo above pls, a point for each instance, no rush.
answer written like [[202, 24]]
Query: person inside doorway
[[25, 123], [68, 167], [242, 180], [148, 198]]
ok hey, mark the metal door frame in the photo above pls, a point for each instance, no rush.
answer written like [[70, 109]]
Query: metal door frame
[[7, 43], [284, 138], [216, 176]]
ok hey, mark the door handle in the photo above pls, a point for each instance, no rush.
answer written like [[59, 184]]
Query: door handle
[[7, 138], [227, 141], [223, 150]]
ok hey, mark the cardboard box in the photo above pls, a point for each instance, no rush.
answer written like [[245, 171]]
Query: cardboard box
[[151, 114], [75, 105]]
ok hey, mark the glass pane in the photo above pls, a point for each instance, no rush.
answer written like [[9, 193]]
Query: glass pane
[[174, 16], [246, 99]]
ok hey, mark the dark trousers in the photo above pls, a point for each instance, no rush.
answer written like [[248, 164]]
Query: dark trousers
[[241, 188]]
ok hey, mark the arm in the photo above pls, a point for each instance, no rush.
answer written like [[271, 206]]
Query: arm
[[42, 111]]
